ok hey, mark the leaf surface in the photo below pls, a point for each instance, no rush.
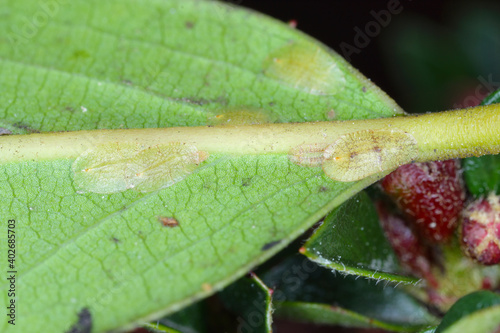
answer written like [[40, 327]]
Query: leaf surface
[[478, 311]]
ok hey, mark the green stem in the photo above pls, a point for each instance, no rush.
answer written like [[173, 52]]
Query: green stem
[[444, 135]]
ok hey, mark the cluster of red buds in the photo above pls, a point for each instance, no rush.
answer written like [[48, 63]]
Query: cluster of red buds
[[431, 198]]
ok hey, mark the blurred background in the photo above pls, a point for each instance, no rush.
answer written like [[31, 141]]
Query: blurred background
[[427, 55]]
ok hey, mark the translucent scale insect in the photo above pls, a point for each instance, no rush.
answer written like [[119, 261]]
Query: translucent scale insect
[[307, 67], [308, 155], [354, 156], [241, 116], [357, 155], [116, 167]]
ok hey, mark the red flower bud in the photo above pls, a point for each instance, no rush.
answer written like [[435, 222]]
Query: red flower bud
[[480, 230], [431, 194], [412, 254]]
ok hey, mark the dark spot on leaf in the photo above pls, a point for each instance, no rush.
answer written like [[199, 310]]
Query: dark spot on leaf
[[84, 323], [115, 240], [4, 131], [81, 54], [69, 108], [324, 189], [25, 127], [271, 103], [354, 154], [127, 82], [246, 181], [331, 114], [377, 149], [364, 89], [168, 221], [203, 101], [189, 24], [270, 245]]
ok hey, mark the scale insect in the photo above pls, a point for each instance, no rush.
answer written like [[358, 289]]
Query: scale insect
[[116, 167], [308, 155], [357, 155], [241, 116], [354, 156], [306, 67]]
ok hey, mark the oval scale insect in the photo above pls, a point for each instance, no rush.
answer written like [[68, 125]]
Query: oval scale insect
[[307, 67], [357, 155], [241, 116], [116, 167]]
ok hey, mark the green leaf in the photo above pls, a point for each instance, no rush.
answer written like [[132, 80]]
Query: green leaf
[[305, 284], [159, 328], [351, 241], [333, 315], [476, 312], [250, 299], [188, 320], [482, 174], [67, 66]]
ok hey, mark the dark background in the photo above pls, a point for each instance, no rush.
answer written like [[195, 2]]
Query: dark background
[[418, 79]]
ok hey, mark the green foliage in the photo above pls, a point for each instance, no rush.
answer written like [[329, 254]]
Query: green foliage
[[350, 240], [482, 174], [251, 300], [476, 312], [307, 292]]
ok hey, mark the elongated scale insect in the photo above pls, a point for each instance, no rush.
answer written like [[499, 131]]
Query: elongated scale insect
[[307, 67], [234, 117], [308, 155], [116, 167], [357, 155]]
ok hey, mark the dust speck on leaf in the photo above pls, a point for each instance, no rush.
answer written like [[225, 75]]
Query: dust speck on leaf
[[189, 24], [331, 115], [246, 181], [83, 324], [206, 287], [168, 221]]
